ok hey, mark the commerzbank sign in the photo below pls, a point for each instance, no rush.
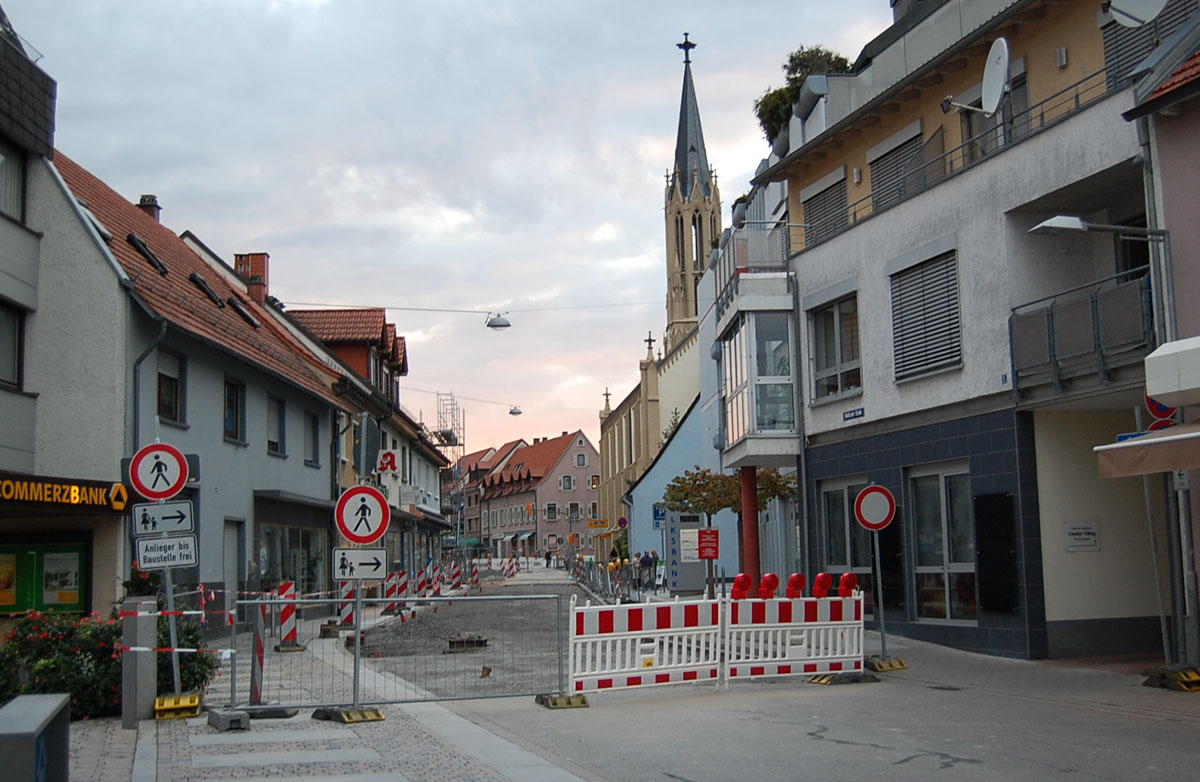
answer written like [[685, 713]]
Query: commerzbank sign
[[44, 490]]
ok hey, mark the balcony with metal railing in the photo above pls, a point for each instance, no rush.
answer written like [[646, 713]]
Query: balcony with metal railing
[[932, 165], [1081, 336]]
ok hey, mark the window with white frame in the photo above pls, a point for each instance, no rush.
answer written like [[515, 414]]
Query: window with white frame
[[573, 510], [847, 544], [926, 328], [551, 511], [581, 460], [11, 323], [944, 538], [567, 483], [594, 511], [837, 364], [234, 410], [170, 386], [312, 441], [736, 392], [275, 425], [774, 406], [595, 481]]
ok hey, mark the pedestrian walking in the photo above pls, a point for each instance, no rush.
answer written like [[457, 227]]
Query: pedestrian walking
[[646, 564], [547, 558]]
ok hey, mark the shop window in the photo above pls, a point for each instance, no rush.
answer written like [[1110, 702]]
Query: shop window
[[944, 537], [297, 554], [42, 577], [847, 543]]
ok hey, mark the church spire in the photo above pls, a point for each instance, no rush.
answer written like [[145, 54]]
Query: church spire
[[691, 161]]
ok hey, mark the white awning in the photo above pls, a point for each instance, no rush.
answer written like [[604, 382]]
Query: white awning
[[526, 535], [1167, 450], [513, 537]]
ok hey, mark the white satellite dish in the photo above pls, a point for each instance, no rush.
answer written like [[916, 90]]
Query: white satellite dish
[[995, 77], [1135, 13]]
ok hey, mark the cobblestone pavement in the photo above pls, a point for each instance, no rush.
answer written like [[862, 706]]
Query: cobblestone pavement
[[415, 741]]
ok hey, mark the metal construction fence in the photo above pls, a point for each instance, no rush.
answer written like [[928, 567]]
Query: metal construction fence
[[436, 648], [619, 584]]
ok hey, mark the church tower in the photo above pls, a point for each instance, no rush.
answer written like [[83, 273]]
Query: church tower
[[693, 212]]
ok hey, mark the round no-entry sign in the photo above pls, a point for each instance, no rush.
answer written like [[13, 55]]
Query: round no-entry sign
[[875, 507], [158, 471], [362, 514]]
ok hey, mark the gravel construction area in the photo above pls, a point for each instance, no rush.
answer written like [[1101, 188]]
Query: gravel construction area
[[526, 638]]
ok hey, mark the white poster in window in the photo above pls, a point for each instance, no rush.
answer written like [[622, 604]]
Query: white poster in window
[[60, 577], [1083, 536]]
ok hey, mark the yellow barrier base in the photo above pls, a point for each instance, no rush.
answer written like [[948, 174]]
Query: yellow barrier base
[[348, 716], [562, 701], [173, 707], [880, 664], [1173, 677]]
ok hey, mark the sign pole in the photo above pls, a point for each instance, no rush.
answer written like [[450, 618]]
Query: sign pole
[[170, 587], [357, 639], [879, 597]]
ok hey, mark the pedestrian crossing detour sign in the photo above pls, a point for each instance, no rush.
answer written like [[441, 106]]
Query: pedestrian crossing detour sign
[[158, 471], [362, 514]]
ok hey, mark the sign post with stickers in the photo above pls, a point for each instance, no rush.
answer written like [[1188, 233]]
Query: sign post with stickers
[[362, 516], [158, 472]]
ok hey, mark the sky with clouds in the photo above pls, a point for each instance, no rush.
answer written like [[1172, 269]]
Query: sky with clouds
[[448, 155]]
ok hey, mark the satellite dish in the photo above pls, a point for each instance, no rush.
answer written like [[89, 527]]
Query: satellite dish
[[995, 76], [1135, 13]]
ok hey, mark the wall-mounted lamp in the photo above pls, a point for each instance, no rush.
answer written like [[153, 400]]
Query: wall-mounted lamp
[[497, 322], [1162, 272]]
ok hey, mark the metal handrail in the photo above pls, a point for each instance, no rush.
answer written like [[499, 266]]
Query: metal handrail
[[1125, 275]]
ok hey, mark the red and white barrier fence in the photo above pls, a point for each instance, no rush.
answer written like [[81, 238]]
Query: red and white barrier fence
[[644, 645], [799, 637], [346, 608], [287, 614], [640, 645]]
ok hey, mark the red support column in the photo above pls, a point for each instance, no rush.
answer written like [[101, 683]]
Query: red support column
[[750, 523]]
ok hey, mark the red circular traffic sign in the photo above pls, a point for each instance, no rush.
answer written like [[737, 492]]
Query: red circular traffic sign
[[1158, 409], [875, 507], [362, 514], [158, 471], [1161, 423]]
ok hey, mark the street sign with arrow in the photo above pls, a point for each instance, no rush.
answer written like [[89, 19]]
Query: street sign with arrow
[[359, 563], [150, 518]]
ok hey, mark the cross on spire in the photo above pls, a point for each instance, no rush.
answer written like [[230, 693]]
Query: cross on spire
[[606, 395], [650, 341], [687, 47]]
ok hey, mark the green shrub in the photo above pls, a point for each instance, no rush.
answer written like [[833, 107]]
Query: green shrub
[[65, 653], [82, 656]]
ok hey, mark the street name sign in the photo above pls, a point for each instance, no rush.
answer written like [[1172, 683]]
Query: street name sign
[[168, 552], [362, 514], [359, 563], [151, 518]]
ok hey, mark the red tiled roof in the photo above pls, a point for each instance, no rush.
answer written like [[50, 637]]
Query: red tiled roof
[[530, 464], [343, 325], [1186, 73], [181, 302]]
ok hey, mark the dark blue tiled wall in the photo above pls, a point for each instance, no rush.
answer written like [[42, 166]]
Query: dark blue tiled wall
[[999, 450]]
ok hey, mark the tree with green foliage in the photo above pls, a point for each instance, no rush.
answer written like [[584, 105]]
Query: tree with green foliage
[[706, 492], [774, 108]]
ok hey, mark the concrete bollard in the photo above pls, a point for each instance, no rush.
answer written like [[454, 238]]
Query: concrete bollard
[[139, 679]]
